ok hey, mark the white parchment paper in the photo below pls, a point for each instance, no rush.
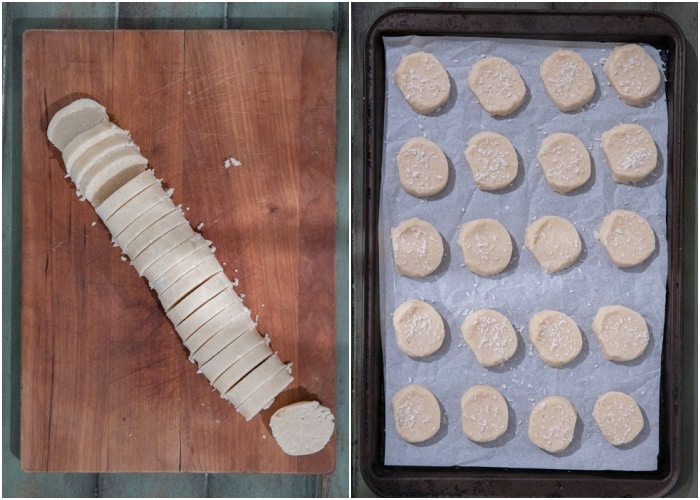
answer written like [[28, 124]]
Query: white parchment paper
[[524, 288]]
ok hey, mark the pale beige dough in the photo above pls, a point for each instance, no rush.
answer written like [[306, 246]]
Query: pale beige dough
[[417, 415], [484, 414], [618, 417], [556, 337], [423, 82], [302, 428], [418, 247], [565, 162], [552, 423], [627, 237], [497, 86], [630, 151], [622, 332], [490, 336], [492, 160], [423, 169], [419, 328], [568, 79], [486, 245], [632, 73], [554, 242]]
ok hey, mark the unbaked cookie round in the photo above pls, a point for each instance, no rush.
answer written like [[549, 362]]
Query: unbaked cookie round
[[484, 414], [568, 79], [627, 237], [492, 160], [552, 423], [490, 336], [423, 82], [419, 328], [554, 242], [632, 73], [622, 332], [418, 247], [422, 165], [556, 337], [486, 246], [565, 162], [497, 86], [618, 417], [630, 151], [417, 414]]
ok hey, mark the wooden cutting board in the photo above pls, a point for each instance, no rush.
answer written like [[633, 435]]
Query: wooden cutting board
[[106, 382]]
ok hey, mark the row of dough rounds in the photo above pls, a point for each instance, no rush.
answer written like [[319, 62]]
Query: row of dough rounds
[[551, 426], [629, 149], [622, 333], [109, 171], [499, 88], [487, 245]]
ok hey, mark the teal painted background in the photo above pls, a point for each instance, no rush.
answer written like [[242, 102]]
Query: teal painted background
[[18, 17]]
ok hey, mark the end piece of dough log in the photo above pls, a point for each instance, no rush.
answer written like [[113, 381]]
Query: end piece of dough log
[[73, 119], [417, 415], [302, 428], [423, 81], [632, 73]]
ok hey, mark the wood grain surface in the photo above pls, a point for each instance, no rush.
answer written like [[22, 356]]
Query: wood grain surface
[[106, 383]]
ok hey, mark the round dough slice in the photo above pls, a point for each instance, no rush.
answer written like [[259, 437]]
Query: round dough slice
[[419, 328], [618, 417], [565, 162], [627, 237], [556, 337], [568, 79], [554, 242], [423, 169], [302, 428], [484, 414], [491, 337], [552, 423], [486, 245], [418, 247], [492, 160], [423, 82], [632, 73], [622, 333], [630, 151], [417, 415], [497, 85]]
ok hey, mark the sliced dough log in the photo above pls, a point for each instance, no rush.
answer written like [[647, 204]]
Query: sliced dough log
[[208, 267], [235, 361], [198, 297], [217, 333], [302, 428], [153, 232], [125, 215], [143, 222], [88, 147], [170, 265], [126, 193], [110, 173], [254, 380], [266, 394], [146, 262], [73, 119]]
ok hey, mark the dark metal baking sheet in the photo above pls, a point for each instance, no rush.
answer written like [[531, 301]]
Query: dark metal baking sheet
[[651, 28]]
